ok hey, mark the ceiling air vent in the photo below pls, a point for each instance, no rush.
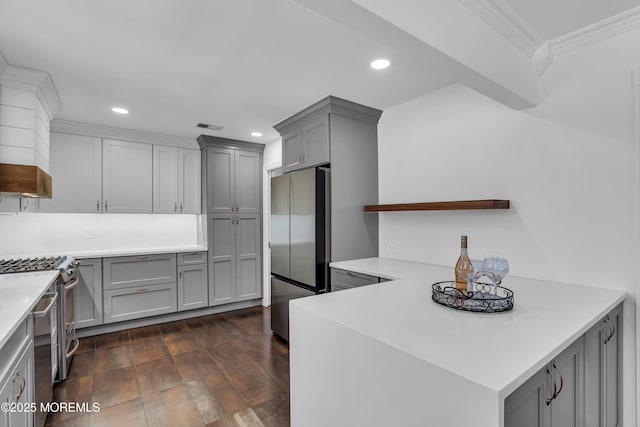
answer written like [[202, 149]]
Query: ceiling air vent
[[207, 126]]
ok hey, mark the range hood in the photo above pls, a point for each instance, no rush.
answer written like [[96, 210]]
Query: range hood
[[29, 101], [25, 180]]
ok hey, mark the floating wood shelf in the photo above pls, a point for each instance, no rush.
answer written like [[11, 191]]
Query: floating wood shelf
[[440, 206]]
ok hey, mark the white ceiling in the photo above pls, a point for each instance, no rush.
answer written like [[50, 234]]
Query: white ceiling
[[244, 65], [554, 18]]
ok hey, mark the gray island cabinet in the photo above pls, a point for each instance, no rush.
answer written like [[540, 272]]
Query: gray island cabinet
[[232, 198], [419, 363], [579, 387]]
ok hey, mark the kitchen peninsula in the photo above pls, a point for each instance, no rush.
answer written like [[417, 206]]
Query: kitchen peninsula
[[386, 354]]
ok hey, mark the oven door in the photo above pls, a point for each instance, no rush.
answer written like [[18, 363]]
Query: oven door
[[44, 322]]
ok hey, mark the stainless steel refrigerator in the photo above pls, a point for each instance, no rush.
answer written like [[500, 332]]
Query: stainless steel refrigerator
[[300, 247]]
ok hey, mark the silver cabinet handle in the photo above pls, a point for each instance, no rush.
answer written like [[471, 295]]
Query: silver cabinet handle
[[106, 206], [142, 257], [71, 285], [352, 274], [553, 380], [43, 313], [97, 205], [142, 289], [561, 379], [22, 386], [180, 207], [180, 275], [175, 207]]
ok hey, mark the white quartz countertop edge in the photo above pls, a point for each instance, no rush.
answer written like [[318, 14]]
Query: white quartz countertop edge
[[19, 294], [405, 272], [105, 253]]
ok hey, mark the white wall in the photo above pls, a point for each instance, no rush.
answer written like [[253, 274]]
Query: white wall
[[568, 166], [40, 234]]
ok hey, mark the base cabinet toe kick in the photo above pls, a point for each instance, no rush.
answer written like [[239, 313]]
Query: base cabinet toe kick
[[580, 387]]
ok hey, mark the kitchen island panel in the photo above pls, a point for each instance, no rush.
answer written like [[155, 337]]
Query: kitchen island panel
[[401, 389]]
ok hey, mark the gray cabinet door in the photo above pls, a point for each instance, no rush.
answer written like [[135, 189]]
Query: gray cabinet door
[[248, 258], [315, 136], [127, 184], [189, 181], [527, 406], [165, 179], [567, 408], [75, 162], [192, 287], [88, 295], [222, 259], [247, 188], [612, 369], [220, 180], [602, 372], [292, 150]]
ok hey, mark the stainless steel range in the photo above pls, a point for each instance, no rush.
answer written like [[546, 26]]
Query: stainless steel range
[[67, 341]]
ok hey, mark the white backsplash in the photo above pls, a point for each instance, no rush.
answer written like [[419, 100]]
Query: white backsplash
[[27, 234]]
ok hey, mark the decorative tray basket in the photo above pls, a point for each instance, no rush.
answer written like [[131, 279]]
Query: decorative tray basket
[[481, 300]]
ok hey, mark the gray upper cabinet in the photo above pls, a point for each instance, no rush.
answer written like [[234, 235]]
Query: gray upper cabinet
[[88, 296], [306, 145], [127, 183], [344, 135], [233, 180], [603, 349], [176, 180], [75, 163], [189, 181], [165, 179]]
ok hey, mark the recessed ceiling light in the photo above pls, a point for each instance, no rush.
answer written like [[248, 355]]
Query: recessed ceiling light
[[120, 110], [256, 133], [380, 64]]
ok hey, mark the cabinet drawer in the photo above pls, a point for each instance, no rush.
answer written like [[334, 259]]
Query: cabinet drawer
[[188, 258], [139, 271], [134, 303], [343, 279]]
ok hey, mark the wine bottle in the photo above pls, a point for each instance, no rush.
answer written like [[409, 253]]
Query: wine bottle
[[463, 268]]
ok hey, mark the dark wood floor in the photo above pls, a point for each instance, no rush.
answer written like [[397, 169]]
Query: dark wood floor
[[220, 370]]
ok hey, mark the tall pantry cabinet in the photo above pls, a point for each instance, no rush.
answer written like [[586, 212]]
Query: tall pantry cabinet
[[232, 199]]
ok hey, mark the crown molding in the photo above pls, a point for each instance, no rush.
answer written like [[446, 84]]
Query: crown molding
[[38, 82], [499, 16], [100, 131], [205, 141], [542, 59], [601, 30]]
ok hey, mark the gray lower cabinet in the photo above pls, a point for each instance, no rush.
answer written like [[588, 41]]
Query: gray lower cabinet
[[234, 258], [139, 286], [193, 289], [554, 396], [17, 385], [344, 279], [137, 302], [141, 270], [603, 349], [579, 388], [88, 295]]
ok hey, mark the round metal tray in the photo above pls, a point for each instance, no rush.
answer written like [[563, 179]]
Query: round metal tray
[[480, 300]]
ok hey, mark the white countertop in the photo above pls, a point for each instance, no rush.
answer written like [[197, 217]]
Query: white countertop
[[19, 294], [98, 253], [498, 351]]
